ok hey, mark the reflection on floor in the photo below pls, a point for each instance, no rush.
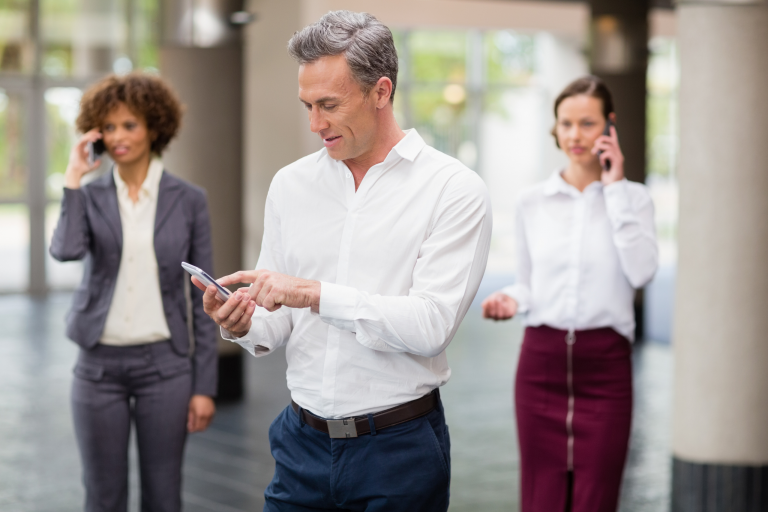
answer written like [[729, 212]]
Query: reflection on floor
[[227, 467]]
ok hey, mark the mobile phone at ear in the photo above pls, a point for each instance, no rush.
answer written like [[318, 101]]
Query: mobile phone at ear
[[95, 149], [207, 280], [606, 131]]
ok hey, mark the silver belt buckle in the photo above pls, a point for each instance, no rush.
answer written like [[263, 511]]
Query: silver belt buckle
[[342, 429]]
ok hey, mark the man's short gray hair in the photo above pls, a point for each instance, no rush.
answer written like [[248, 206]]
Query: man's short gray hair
[[364, 41]]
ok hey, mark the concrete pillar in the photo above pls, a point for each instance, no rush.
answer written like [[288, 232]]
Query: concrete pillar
[[203, 62], [720, 438]]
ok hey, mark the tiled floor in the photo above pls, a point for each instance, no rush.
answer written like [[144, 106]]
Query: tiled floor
[[228, 466]]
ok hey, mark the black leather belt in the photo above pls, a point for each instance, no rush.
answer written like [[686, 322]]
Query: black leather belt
[[360, 425]]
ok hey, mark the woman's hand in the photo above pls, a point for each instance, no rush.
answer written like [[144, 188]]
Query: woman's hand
[[499, 306], [201, 411], [609, 145], [78, 160]]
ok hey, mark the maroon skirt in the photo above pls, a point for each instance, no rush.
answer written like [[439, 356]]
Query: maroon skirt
[[573, 402]]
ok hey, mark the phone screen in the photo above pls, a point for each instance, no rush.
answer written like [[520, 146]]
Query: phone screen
[[207, 280], [213, 282]]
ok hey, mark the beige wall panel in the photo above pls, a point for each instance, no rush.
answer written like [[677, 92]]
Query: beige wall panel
[[721, 319], [208, 149], [275, 122]]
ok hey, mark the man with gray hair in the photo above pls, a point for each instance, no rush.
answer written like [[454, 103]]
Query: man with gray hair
[[373, 249]]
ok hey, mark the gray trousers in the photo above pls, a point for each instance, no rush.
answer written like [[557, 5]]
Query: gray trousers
[[147, 385]]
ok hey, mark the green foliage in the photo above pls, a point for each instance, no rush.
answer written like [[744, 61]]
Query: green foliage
[[14, 5], [147, 32], [662, 109], [438, 56], [509, 57]]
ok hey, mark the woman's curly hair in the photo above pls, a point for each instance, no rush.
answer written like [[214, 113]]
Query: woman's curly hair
[[145, 95]]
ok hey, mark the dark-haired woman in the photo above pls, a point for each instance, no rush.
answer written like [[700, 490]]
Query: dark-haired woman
[[134, 226], [585, 241]]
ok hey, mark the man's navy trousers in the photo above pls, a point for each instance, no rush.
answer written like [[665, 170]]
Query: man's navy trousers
[[405, 467]]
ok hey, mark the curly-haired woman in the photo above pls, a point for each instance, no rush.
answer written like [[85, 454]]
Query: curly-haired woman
[[134, 226]]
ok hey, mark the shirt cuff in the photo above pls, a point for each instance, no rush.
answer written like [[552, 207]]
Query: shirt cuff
[[520, 294], [337, 305], [337, 301], [246, 343], [618, 203]]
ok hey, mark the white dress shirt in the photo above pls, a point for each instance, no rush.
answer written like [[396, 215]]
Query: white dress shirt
[[136, 313], [399, 262], [582, 254]]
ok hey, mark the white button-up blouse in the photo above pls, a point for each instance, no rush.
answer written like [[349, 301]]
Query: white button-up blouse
[[136, 314], [581, 255], [399, 261]]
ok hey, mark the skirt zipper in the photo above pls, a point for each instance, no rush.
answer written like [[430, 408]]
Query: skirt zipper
[[570, 339]]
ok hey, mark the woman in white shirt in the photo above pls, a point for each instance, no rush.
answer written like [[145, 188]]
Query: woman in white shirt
[[585, 241]]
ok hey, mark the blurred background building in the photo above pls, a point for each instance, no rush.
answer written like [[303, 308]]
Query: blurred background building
[[477, 80]]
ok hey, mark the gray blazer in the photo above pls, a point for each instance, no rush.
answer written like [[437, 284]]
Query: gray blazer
[[90, 228]]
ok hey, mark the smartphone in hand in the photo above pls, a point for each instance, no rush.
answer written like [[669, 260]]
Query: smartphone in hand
[[95, 149], [607, 131], [202, 276]]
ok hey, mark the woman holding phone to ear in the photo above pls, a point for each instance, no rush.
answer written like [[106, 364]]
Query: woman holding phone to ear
[[134, 226], [585, 242]]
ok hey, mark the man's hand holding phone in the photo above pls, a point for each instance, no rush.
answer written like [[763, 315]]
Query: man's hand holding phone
[[81, 160], [234, 314], [610, 155], [270, 290]]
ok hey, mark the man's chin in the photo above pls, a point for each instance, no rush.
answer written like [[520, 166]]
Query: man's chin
[[337, 153]]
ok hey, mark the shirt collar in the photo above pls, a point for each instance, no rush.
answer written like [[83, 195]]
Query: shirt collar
[[409, 146], [151, 184], [556, 184]]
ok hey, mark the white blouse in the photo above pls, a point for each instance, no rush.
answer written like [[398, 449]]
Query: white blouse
[[136, 314], [581, 255]]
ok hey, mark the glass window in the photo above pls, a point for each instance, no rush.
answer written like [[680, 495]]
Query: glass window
[[17, 49], [439, 114], [62, 106], [662, 141], [13, 165], [144, 40], [14, 247], [509, 57], [437, 56], [83, 38]]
